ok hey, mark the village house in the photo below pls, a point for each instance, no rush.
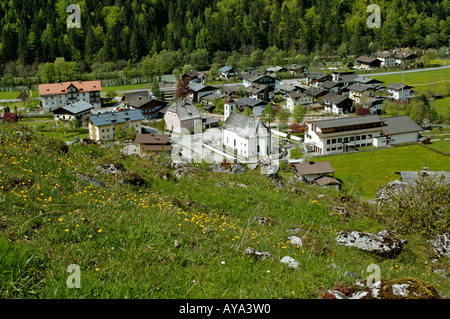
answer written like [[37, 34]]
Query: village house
[[317, 78], [252, 77], [342, 135], [356, 92], [231, 89], [104, 126], [209, 101], [374, 105], [400, 91], [367, 63], [198, 90], [194, 77], [387, 60], [297, 98], [246, 137], [150, 144], [257, 91], [56, 95], [256, 105], [404, 57], [149, 106], [344, 78], [276, 69], [331, 86], [316, 93], [289, 87], [182, 116], [317, 173], [337, 104], [296, 69], [72, 111], [228, 72], [371, 83]]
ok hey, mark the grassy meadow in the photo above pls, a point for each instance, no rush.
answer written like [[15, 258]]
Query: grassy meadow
[[367, 172], [179, 238]]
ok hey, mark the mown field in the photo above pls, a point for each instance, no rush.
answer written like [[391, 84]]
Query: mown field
[[436, 80], [367, 172], [162, 237]]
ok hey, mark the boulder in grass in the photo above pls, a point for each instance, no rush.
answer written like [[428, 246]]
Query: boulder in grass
[[291, 262], [383, 244], [441, 244], [404, 288], [257, 254]]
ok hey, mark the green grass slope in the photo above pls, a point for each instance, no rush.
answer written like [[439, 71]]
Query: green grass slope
[[172, 238]]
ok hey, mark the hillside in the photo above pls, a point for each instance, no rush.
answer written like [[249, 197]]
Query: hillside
[[174, 238]]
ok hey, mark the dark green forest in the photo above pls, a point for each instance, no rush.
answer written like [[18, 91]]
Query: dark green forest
[[201, 32]]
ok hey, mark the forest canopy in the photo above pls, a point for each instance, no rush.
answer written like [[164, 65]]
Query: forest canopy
[[36, 32]]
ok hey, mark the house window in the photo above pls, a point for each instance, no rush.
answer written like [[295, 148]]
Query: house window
[[363, 137], [339, 140], [369, 136], [358, 138], [345, 139], [328, 142], [352, 138], [333, 141]]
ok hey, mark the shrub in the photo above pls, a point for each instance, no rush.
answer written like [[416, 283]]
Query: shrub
[[422, 208]]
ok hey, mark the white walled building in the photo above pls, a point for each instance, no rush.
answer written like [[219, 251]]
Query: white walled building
[[387, 60], [56, 95], [400, 91], [72, 111], [346, 134], [246, 137], [229, 107], [295, 98], [182, 116]]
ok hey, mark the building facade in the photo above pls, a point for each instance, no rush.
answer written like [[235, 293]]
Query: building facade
[[348, 134], [246, 137], [182, 116], [104, 126], [56, 95]]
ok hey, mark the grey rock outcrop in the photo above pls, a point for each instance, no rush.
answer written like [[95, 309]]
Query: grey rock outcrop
[[441, 244], [257, 254], [391, 189], [291, 262], [383, 244]]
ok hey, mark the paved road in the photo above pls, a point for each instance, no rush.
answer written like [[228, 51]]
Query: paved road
[[408, 71]]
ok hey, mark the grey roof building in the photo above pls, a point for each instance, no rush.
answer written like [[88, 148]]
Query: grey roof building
[[400, 124], [75, 109], [116, 117], [245, 126], [411, 177], [185, 110]]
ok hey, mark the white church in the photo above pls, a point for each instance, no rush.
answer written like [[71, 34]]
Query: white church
[[244, 136]]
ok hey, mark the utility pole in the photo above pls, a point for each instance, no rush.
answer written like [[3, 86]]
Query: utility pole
[[403, 75]]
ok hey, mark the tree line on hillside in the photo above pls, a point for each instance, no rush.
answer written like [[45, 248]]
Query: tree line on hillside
[[34, 32]]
